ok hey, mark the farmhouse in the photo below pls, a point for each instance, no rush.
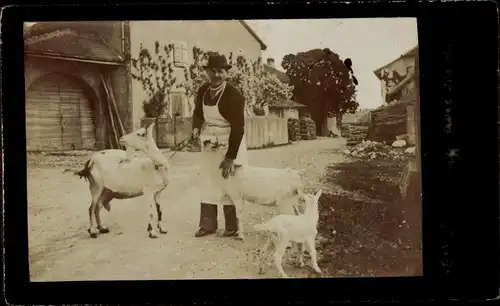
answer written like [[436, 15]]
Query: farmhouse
[[79, 91], [396, 119], [76, 83], [397, 77]]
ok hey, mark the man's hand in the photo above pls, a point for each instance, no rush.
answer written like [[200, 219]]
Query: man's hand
[[227, 166], [195, 133]]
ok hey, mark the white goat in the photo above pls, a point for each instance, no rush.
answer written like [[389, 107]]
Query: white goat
[[257, 185], [299, 229], [117, 174]]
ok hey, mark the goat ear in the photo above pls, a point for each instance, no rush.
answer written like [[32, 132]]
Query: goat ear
[[318, 194]]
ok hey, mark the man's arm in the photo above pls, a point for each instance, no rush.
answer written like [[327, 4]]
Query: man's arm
[[235, 114], [198, 118]]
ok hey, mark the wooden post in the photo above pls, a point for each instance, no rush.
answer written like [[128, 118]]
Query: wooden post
[[410, 185]]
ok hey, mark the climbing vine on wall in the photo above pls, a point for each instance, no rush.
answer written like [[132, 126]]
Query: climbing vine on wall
[[154, 70]]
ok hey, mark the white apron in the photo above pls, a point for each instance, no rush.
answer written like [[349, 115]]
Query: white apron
[[216, 128]]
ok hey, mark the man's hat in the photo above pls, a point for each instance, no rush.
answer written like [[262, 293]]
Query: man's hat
[[217, 61]]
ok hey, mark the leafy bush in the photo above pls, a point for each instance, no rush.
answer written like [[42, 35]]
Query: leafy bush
[[155, 73]]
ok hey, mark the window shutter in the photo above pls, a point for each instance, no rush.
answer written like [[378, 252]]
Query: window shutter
[[177, 104], [177, 54], [184, 52]]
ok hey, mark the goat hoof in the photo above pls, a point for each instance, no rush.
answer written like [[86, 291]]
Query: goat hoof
[[162, 230], [151, 235], [92, 235], [104, 230], [239, 236], [318, 271]]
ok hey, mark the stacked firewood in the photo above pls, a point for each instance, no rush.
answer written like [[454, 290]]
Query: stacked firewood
[[307, 128], [356, 133], [388, 122], [293, 129]]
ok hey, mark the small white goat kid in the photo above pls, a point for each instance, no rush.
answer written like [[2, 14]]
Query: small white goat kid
[[257, 185], [117, 174], [299, 229]]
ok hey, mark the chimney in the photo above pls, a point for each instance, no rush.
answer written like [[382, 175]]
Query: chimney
[[270, 62]]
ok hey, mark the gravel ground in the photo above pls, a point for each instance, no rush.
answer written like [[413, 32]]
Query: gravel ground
[[61, 249]]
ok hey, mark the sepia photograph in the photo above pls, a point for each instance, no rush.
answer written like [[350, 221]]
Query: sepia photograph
[[223, 149]]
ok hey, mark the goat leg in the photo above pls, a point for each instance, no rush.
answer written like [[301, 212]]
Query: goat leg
[[311, 247], [153, 221], [278, 256], [97, 211], [92, 219], [159, 212], [239, 206], [264, 254], [300, 258]]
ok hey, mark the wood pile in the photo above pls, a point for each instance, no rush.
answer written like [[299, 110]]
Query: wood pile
[[388, 122], [355, 133], [307, 128], [293, 129]]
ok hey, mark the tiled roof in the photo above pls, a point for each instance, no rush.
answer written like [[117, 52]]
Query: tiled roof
[[280, 74], [286, 104], [410, 52], [69, 43]]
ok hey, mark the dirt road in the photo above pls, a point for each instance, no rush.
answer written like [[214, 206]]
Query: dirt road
[[61, 249]]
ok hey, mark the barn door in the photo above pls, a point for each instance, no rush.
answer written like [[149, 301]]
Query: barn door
[[58, 115], [71, 136], [43, 128]]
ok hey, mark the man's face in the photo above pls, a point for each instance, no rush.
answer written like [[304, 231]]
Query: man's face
[[217, 75]]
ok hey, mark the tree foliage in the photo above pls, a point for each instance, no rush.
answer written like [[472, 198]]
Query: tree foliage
[[322, 81], [272, 90], [155, 73], [257, 86]]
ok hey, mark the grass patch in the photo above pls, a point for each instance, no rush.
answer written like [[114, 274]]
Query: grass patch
[[363, 237]]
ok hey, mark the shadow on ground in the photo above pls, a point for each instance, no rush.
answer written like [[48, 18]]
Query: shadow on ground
[[363, 226]]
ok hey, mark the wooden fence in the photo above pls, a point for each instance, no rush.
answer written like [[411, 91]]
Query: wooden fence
[[260, 131], [263, 131]]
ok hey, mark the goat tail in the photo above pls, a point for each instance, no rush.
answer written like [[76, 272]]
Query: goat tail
[[83, 173]]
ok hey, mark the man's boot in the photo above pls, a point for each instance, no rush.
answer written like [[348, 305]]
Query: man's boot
[[208, 220], [230, 220]]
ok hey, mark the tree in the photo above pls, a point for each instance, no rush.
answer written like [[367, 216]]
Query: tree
[[322, 82], [272, 90], [155, 73]]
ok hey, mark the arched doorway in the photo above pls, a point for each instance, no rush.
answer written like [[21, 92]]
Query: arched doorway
[[59, 115]]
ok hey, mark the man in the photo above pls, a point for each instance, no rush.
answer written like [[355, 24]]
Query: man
[[219, 117]]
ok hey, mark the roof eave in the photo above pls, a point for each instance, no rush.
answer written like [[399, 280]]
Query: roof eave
[[407, 53], [263, 46], [54, 55]]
